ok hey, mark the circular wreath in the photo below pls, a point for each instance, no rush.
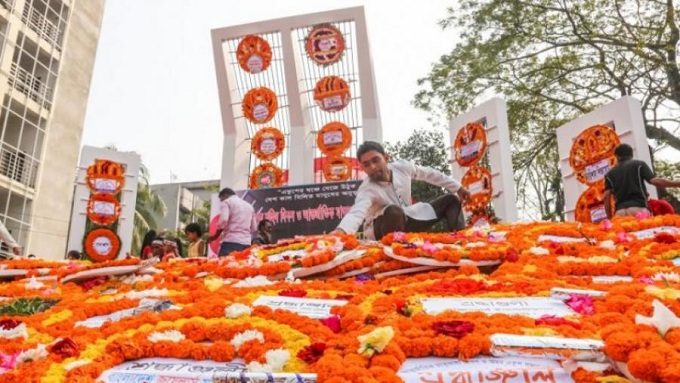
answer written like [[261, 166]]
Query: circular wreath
[[105, 176], [479, 182], [268, 143], [254, 54], [592, 146], [103, 208], [337, 168], [102, 244], [266, 176], [331, 93], [590, 204], [334, 138], [325, 44], [259, 105], [470, 144]]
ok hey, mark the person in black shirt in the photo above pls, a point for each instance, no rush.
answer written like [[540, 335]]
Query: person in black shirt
[[626, 182]]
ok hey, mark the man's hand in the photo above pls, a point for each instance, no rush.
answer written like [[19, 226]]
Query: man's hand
[[463, 194], [16, 250], [337, 231]]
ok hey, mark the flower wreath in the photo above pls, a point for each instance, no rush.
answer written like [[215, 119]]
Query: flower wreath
[[479, 181], [332, 94], [334, 138], [103, 208], [470, 144], [268, 143], [337, 168], [593, 147], [105, 176], [266, 176], [590, 205], [325, 44], [254, 54], [259, 105], [102, 244]]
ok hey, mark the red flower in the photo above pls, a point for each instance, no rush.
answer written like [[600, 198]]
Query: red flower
[[94, 282], [454, 328], [663, 237], [551, 320], [511, 256], [332, 322], [65, 348], [344, 297], [463, 286], [8, 324], [312, 353], [403, 308], [293, 293]]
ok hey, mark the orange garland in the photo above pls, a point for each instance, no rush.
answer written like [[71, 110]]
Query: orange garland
[[268, 143], [591, 146], [259, 105], [325, 44], [102, 244], [337, 169], [254, 54], [470, 144], [591, 204], [105, 176], [332, 94], [478, 181], [103, 201], [328, 141], [265, 176]]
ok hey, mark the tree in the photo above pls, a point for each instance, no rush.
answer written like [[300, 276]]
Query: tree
[[553, 60], [425, 148]]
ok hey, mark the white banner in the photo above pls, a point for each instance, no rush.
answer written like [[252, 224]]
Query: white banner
[[532, 307], [313, 308], [157, 370]]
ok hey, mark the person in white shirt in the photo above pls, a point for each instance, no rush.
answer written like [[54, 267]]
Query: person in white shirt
[[7, 238], [236, 225], [383, 201]]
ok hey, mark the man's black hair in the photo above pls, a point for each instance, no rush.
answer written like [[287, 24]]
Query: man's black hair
[[226, 192], [367, 146]]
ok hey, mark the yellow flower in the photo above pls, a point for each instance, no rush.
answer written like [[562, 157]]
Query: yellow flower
[[539, 331], [612, 379], [213, 284], [529, 269], [667, 293], [375, 341], [56, 318]]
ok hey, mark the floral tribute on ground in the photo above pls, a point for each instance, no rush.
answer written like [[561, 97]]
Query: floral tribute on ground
[[560, 303]]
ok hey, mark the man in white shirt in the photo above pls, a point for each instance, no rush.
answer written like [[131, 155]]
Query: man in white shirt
[[236, 225], [7, 238], [383, 201]]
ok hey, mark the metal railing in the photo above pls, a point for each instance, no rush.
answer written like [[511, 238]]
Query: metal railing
[[7, 4], [42, 26], [17, 166], [29, 85]]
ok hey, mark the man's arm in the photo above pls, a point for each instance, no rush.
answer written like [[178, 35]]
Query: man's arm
[[222, 222], [664, 183], [253, 224], [437, 178], [357, 214], [608, 203]]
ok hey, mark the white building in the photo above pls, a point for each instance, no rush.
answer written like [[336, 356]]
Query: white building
[[47, 53]]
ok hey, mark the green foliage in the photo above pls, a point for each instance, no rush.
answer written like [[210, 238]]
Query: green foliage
[[553, 61], [26, 306]]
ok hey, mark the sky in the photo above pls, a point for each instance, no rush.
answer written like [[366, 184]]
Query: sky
[[154, 91]]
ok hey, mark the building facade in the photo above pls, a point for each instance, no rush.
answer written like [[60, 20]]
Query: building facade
[[47, 55], [182, 199]]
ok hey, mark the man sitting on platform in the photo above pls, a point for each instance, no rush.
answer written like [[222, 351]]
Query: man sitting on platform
[[383, 201]]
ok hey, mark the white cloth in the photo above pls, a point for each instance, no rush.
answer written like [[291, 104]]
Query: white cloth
[[373, 197], [7, 237], [237, 220]]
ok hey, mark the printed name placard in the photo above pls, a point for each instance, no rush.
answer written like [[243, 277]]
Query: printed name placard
[[154, 370], [532, 307], [313, 308], [559, 239], [611, 279], [650, 233], [483, 369]]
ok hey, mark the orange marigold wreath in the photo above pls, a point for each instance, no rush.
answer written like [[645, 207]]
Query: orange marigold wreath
[[105, 176], [590, 205], [592, 153], [103, 208], [325, 44], [101, 244], [268, 143], [470, 144], [254, 54], [259, 105], [334, 138], [479, 181], [332, 94], [337, 168], [266, 176]]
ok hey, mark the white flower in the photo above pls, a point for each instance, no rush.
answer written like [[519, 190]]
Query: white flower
[[608, 244], [260, 280], [18, 332], [259, 367], [668, 277], [537, 250], [237, 310], [32, 354], [34, 285], [132, 279], [245, 336], [476, 244], [663, 319], [170, 335], [277, 359], [76, 364], [151, 293]]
